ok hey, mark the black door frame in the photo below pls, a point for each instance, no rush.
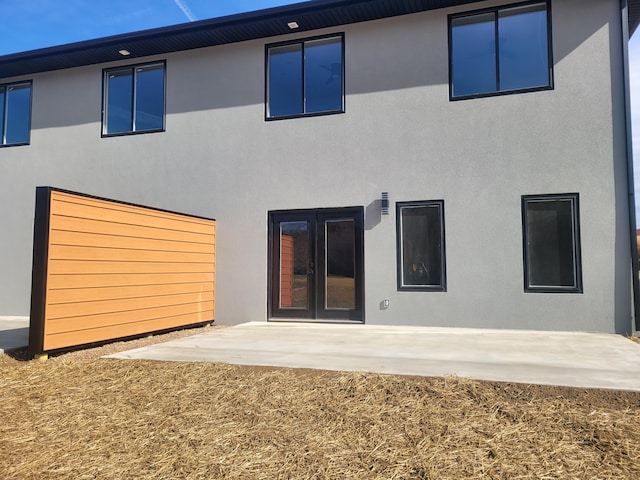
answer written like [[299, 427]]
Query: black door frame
[[316, 311]]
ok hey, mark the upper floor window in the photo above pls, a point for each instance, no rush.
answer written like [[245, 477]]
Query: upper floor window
[[134, 99], [420, 248], [500, 50], [551, 240], [15, 117], [305, 77]]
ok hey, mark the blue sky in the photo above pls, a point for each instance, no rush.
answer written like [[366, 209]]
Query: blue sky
[[31, 24]]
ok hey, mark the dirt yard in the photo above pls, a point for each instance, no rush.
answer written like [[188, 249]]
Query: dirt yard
[[80, 417]]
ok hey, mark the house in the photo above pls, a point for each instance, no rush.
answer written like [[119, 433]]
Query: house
[[449, 163]]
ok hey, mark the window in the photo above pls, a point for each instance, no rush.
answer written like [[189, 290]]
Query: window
[[305, 77], [551, 242], [15, 117], [420, 230], [500, 50], [134, 99]]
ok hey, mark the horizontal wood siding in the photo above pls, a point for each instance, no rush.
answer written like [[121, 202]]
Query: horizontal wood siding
[[115, 270]]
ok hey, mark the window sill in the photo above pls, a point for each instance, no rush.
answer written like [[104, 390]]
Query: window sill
[[301, 115], [499, 94], [125, 134]]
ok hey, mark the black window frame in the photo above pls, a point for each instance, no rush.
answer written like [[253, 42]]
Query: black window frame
[[576, 242], [302, 41], [442, 286], [3, 113], [496, 11], [105, 93]]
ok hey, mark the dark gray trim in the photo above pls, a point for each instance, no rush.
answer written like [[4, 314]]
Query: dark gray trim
[[105, 72], [302, 42], [498, 91], [577, 256], [442, 286], [39, 270], [635, 267]]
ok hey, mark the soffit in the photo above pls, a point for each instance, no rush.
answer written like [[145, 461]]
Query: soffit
[[311, 15], [634, 15]]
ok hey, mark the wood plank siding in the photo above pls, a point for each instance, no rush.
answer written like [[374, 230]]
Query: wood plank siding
[[108, 270]]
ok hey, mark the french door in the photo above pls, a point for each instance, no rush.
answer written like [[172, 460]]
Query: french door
[[316, 264]]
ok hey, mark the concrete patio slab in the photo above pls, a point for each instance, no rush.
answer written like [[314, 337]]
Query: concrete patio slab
[[584, 360], [14, 333]]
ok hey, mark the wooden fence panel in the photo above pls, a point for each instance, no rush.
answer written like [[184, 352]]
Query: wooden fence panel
[[104, 269]]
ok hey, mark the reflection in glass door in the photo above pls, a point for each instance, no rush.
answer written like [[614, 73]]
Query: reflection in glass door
[[316, 264], [295, 265], [339, 265]]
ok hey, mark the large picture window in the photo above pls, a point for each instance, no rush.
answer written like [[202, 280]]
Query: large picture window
[[15, 117], [551, 242], [500, 50], [305, 77], [134, 99], [421, 252]]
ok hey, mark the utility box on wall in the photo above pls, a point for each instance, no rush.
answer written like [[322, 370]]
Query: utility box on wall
[[104, 269]]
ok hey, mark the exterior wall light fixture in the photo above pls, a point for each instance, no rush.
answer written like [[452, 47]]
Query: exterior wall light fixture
[[384, 203]]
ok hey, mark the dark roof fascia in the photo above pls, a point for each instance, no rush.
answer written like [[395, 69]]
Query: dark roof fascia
[[634, 15], [311, 15]]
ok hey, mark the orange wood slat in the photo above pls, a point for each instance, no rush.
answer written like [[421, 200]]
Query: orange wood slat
[[68, 197], [71, 267], [69, 295], [59, 222], [111, 213], [98, 307], [89, 322], [62, 237], [109, 332], [90, 253], [126, 279]]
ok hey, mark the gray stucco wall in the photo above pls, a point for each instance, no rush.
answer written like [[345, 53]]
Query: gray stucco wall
[[400, 133]]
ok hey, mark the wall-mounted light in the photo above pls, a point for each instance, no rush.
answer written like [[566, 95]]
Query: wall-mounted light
[[384, 203], [293, 25]]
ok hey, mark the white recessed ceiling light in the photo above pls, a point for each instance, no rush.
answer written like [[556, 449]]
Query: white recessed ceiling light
[[293, 25], [124, 52]]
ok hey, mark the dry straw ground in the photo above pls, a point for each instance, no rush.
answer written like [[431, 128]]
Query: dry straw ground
[[81, 417]]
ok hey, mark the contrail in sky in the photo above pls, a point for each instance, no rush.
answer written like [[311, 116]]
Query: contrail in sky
[[186, 10]]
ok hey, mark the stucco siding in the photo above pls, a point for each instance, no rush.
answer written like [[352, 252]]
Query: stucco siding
[[219, 158]]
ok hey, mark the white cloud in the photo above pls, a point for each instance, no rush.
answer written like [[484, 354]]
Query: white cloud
[[186, 10]]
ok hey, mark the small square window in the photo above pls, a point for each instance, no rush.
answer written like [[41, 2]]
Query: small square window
[[551, 243], [500, 50], [420, 245], [305, 78], [134, 99], [15, 116]]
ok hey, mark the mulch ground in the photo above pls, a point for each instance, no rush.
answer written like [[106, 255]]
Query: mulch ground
[[90, 418]]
